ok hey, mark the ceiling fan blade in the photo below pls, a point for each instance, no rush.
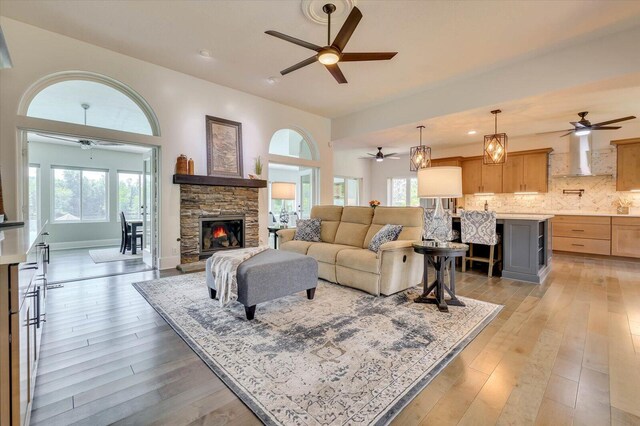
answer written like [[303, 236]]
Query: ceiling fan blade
[[567, 134], [294, 40], [606, 128], [347, 29], [617, 120], [100, 143], [367, 56], [58, 137], [555, 131], [577, 124], [299, 65], [373, 155], [336, 73], [390, 155]]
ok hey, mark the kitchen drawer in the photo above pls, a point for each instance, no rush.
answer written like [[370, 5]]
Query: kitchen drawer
[[625, 240], [630, 221], [594, 220], [582, 245], [582, 230]]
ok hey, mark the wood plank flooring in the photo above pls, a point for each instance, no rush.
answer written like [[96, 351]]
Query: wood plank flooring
[[565, 352]]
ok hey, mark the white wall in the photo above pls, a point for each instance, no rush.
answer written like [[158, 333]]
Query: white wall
[[72, 235], [347, 163], [179, 101], [381, 172]]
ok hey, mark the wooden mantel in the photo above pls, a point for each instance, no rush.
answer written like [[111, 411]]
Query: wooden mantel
[[218, 181]]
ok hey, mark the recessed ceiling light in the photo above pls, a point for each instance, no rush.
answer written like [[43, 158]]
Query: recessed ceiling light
[[471, 132], [205, 53], [273, 80]]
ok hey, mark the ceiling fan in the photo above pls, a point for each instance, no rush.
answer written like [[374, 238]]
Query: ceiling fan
[[84, 143], [584, 126], [332, 53], [379, 156]]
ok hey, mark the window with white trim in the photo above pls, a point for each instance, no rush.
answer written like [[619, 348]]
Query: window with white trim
[[79, 195], [402, 191], [346, 191], [130, 195], [34, 195]]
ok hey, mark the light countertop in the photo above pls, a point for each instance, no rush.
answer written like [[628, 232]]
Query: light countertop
[[572, 213], [15, 244], [521, 216]]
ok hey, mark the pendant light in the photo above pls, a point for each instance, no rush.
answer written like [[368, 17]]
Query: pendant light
[[495, 145], [420, 157]]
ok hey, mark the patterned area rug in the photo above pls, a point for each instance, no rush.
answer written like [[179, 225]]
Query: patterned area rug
[[112, 255], [345, 357]]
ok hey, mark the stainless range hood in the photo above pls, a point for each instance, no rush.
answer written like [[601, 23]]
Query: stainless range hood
[[580, 161]]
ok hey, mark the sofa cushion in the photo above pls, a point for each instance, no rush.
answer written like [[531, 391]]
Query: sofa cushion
[[326, 252], [409, 217], [387, 234], [354, 224], [296, 246], [330, 216], [308, 230], [360, 259]]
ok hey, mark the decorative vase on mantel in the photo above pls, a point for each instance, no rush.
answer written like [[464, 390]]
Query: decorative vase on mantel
[[182, 165]]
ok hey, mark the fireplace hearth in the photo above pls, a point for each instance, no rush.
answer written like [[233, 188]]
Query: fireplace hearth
[[220, 233]]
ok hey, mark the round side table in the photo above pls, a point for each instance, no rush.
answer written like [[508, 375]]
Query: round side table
[[439, 255]]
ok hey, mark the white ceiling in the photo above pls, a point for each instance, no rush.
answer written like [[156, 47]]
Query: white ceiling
[[436, 40], [57, 140], [604, 101]]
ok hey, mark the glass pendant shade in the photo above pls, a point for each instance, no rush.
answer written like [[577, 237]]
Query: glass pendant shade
[[495, 145], [420, 156]]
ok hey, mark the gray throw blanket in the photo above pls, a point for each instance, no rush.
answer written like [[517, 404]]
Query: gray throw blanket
[[224, 268]]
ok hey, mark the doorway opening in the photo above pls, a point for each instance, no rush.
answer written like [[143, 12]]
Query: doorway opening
[[97, 200]]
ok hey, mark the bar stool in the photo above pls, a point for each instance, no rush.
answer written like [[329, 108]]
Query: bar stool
[[479, 227]]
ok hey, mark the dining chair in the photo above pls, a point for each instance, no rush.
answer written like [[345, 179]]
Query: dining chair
[[127, 238]]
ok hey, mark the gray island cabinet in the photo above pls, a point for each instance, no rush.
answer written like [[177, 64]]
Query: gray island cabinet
[[526, 246]]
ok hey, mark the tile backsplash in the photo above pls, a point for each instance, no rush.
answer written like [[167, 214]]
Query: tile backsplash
[[599, 191]]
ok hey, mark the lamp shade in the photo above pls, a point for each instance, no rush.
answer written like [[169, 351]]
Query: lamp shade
[[440, 182], [283, 191]]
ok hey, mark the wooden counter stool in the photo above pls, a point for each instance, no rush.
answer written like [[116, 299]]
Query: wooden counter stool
[[479, 227]]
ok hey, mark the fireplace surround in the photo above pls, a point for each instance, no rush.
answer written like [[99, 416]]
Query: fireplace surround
[[220, 233]]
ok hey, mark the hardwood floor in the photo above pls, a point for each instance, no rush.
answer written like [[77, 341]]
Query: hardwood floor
[[76, 264], [567, 351]]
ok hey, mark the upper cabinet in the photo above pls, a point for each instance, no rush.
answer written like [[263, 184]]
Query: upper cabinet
[[480, 178], [526, 171], [628, 167], [450, 161]]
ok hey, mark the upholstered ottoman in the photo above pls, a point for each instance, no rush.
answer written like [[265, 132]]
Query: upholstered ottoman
[[269, 275]]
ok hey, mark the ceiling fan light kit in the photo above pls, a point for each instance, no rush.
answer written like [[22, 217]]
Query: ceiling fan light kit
[[420, 156], [333, 53], [495, 145]]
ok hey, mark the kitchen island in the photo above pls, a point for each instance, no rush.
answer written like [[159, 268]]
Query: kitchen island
[[526, 246]]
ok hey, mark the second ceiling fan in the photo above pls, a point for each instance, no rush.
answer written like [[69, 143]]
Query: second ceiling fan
[[332, 53]]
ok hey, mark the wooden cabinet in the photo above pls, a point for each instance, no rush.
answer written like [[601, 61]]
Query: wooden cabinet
[[472, 176], [625, 236], [478, 177], [449, 161], [582, 234], [526, 172], [628, 164]]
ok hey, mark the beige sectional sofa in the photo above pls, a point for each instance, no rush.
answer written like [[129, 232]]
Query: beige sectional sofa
[[343, 256]]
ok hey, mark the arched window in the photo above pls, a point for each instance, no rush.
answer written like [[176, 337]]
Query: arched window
[[290, 143], [104, 103]]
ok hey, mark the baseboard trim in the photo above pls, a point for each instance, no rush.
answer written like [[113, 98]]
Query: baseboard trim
[[69, 245]]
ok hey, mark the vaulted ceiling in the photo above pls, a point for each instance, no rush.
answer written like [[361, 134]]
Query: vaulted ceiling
[[437, 41]]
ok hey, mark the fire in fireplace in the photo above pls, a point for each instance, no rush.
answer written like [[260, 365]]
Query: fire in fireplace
[[220, 233]]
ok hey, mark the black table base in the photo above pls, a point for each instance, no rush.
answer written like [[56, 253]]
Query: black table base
[[436, 292]]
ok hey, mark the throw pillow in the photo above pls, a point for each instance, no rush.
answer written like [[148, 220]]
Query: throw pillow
[[308, 230], [384, 235]]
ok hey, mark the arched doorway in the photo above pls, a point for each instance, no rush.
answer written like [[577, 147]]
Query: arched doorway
[[92, 155], [294, 161]]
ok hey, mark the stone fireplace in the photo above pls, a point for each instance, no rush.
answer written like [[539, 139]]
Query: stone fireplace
[[220, 233], [220, 205]]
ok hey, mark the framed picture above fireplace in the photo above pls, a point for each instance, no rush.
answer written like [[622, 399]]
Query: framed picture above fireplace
[[224, 147]]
